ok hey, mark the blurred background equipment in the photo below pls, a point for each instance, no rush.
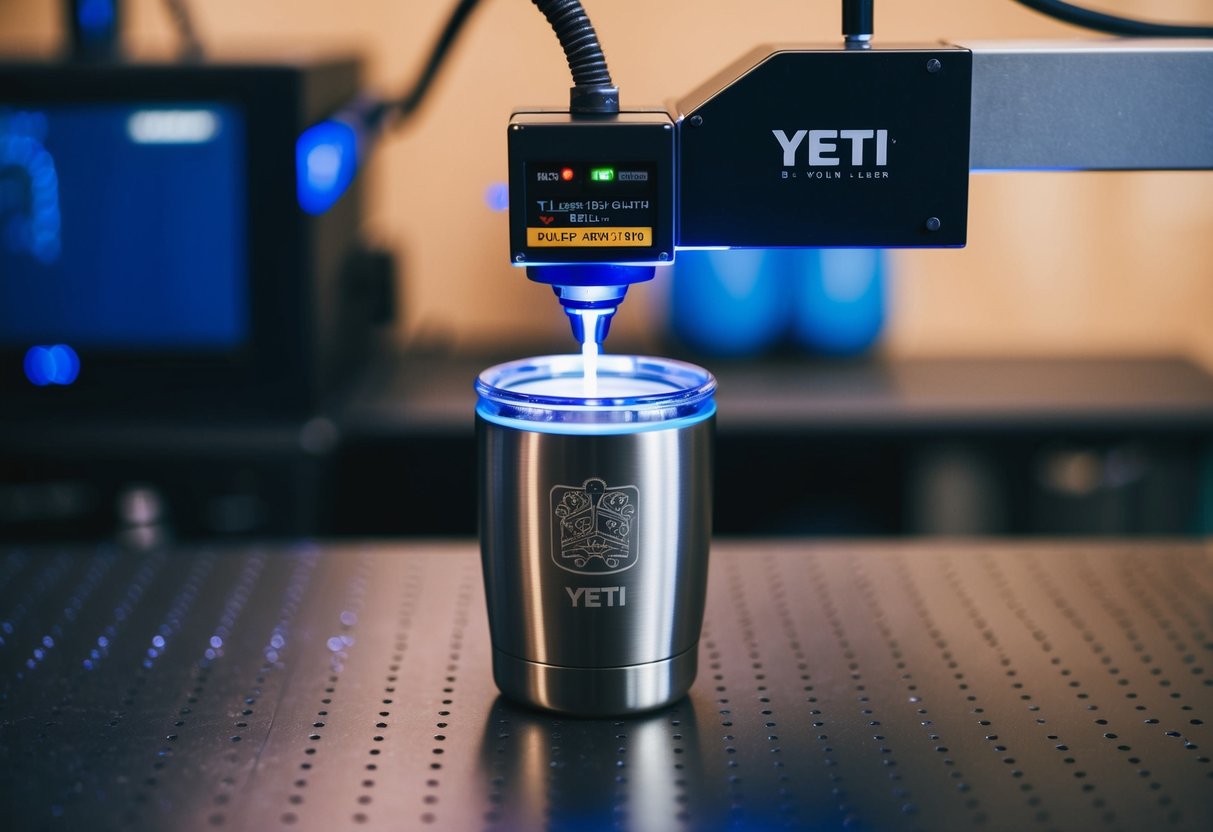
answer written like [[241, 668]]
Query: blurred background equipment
[[877, 376], [171, 322], [755, 302], [151, 228]]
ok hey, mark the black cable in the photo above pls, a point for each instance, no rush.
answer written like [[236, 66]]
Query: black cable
[[592, 90], [191, 46], [857, 19], [407, 104], [1113, 25]]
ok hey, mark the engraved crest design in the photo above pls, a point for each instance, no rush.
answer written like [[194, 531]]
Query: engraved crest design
[[595, 527]]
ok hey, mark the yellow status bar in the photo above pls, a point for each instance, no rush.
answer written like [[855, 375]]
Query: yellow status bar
[[605, 236]]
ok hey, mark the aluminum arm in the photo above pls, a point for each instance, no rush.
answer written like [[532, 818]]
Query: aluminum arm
[[1106, 104]]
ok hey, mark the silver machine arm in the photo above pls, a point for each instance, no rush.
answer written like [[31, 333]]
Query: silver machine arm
[[1104, 104]]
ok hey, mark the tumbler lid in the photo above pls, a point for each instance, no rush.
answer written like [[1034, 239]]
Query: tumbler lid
[[629, 394]]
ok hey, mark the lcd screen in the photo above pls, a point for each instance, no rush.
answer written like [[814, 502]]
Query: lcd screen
[[123, 226]]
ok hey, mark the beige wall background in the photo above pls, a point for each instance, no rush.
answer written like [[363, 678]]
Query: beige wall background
[[1056, 264]]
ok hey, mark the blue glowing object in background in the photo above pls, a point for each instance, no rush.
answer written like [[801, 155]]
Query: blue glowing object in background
[[30, 217], [326, 159], [95, 16], [730, 303], [497, 197], [838, 299], [743, 302], [57, 364]]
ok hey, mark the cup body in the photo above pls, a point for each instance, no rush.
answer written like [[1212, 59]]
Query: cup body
[[595, 525]]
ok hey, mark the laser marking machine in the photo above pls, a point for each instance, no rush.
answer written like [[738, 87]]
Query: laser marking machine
[[851, 144]]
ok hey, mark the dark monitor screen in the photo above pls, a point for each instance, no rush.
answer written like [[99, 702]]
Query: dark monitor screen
[[123, 227]]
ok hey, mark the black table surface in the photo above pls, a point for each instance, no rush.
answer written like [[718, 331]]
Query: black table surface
[[872, 685]]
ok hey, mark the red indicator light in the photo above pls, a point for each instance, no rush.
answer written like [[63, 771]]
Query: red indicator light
[[566, 174]]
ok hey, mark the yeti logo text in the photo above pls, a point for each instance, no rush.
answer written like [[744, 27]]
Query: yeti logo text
[[824, 143], [595, 527], [598, 596]]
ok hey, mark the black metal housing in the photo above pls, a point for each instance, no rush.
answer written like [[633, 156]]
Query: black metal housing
[[828, 146], [584, 218]]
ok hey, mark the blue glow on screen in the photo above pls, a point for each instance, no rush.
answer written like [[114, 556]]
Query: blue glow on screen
[[33, 223], [123, 227]]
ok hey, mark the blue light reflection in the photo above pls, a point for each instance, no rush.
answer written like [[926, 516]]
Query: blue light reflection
[[497, 197], [746, 302], [95, 15], [58, 364], [326, 158]]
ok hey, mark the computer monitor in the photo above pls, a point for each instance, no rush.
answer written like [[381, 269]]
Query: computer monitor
[[153, 254], [123, 228]]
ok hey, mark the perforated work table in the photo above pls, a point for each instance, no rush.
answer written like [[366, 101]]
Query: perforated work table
[[871, 686]]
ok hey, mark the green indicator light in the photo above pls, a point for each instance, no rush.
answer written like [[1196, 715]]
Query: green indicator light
[[602, 174]]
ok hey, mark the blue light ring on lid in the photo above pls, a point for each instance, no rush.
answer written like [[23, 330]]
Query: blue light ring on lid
[[594, 429], [684, 395]]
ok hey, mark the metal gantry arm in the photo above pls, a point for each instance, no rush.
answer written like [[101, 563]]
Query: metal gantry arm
[[1098, 104]]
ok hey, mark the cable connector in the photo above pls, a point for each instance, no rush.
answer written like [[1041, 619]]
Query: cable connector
[[857, 22], [592, 92], [594, 100]]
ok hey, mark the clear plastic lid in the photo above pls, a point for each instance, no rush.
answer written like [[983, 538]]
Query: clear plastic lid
[[628, 394]]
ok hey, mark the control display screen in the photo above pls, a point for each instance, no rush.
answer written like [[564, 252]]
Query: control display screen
[[601, 204], [123, 226]]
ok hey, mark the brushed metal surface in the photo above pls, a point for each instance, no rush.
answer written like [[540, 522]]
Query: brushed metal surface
[[872, 686], [596, 691], [1095, 104], [578, 615]]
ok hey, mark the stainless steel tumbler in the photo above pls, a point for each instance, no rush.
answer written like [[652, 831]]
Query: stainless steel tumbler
[[595, 521]]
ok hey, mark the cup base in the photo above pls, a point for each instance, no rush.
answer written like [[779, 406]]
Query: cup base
[[596, 691]]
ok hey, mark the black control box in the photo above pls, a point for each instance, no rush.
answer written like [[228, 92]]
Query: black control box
[[591, 189], [828, 147]]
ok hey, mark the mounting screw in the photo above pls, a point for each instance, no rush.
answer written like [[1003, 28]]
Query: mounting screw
[[665, 255], [519, 258], [695, 121], [932, 223], [934, 65]]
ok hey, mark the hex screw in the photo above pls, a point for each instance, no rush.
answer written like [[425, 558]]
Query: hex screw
[[934, 65], [932, 223]]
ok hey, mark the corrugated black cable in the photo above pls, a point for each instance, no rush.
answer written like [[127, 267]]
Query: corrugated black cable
[[592, 92], [406, 105], [1113, 25]]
